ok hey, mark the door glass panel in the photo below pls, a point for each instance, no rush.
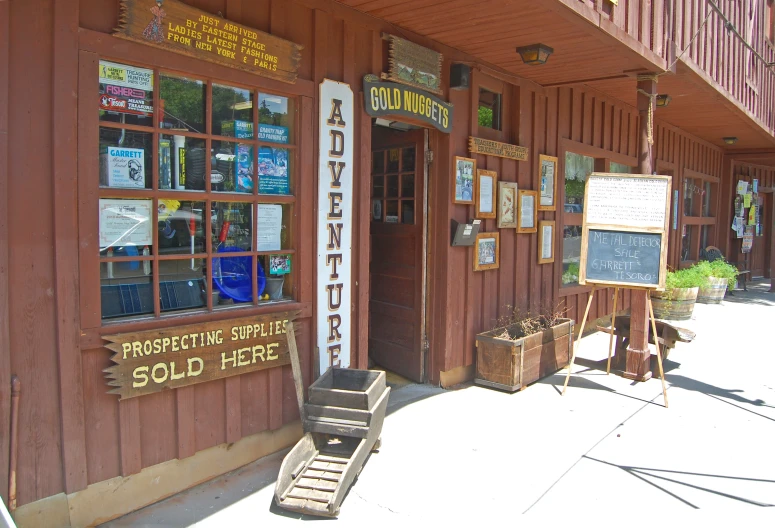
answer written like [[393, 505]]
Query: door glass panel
[[378, 162], [407, 211], [407, 186], [391, 211], [407, 163], [378, 186], [392, 186], [392, 161]]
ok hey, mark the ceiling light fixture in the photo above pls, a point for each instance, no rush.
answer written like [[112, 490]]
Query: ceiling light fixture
[[535, 54]]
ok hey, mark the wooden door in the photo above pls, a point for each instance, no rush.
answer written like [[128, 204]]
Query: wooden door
[[396, 267], [760, 257]]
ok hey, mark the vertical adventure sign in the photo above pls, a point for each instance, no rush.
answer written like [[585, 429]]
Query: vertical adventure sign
[[335, 204]]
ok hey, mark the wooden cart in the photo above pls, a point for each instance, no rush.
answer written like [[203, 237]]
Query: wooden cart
[[342, 425]]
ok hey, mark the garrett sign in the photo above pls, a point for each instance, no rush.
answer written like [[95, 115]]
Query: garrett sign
[[156, 360], [177, 27]]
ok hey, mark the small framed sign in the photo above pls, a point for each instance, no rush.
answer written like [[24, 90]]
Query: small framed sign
[[507, 204], [485, 193], [487, 251], [546, 241], [465, 173], [548, 182], [527, 215]]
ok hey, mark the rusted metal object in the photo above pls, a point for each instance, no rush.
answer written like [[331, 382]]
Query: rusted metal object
[[16, 391], [342, 421]]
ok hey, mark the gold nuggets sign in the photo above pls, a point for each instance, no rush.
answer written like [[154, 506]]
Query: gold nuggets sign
[[392, 99], [174, 26], [152, 361], [496, 148]]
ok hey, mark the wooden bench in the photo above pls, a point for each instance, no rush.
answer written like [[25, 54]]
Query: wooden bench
[[668, 336]]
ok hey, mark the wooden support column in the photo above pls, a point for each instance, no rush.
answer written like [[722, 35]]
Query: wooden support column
[[638, 357]]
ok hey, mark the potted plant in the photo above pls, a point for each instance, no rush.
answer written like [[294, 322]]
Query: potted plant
[[720, 275], [676, 303], [523, 348]]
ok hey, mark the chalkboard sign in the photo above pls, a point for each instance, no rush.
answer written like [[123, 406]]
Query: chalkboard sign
[[624, 256], [624, 231]]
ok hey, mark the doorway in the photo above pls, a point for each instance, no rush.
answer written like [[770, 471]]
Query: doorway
[[397, 269], [760, 252]]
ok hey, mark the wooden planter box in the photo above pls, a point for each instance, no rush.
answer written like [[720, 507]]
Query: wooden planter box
[[513, 365]]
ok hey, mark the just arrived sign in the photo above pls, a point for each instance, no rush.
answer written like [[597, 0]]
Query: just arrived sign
[[393, 99]]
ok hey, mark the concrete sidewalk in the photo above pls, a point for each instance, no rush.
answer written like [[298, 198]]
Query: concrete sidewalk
[[607, 448]]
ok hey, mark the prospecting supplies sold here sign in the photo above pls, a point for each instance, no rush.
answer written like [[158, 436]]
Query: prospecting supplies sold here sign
[[335, 206]]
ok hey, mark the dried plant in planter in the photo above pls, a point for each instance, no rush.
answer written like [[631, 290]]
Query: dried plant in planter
[[522, 323]]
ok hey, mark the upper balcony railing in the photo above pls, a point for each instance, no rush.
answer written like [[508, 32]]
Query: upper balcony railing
[[715, 39]]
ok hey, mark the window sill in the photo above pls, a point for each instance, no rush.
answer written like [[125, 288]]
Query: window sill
[[91, 338]]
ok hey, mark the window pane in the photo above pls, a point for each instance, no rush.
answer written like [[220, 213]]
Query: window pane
[[275, 118], [181, 227], [489, 109], [378, 186], [273, 222], [392, 161], [182, 163], [233, 279], [182, 103], [232, 226], [232, 112], [391, 211], [125, 159], [690, 190], [706, 198], [376, 210], [577, 169], [126, 94], [232, 167], [392, 186], [378, 162], [279, 279], [182, 285], [407, 185], [126, 288], [620, 169], [706, 236], [274, 170], [407, 211], [571, 254], [408, 161], [686, 243], [125, 227]]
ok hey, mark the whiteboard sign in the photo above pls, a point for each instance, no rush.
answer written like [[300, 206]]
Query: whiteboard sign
[[624, 232], [627, 201]]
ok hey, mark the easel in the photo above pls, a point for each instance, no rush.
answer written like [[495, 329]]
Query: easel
[[611, 339]]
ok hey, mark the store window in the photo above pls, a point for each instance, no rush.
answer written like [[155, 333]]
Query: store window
[[577, 169], [619, 168], [195, 194], [489, 109], [699, 214]]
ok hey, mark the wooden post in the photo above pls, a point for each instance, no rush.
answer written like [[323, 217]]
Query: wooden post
[[298, 379], [638, 355], [581, 332], [613, 324]]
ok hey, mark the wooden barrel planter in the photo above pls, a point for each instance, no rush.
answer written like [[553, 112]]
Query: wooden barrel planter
[[675, 305], [714, 292], [513, 364]]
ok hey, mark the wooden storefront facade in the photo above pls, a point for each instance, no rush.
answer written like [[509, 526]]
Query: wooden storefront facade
[[77, 444]]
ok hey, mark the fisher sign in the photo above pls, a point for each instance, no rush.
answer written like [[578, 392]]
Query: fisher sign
[[335, 205]]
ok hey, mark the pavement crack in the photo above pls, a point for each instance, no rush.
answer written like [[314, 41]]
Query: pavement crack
[[374, 503]]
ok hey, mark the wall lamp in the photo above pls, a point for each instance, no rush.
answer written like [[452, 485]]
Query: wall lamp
[[663, 100], [731, 140], [535, 54]]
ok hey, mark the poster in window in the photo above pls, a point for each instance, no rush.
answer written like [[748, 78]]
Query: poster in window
[[487, 251], [273, 171], [485, 193], [527, 214], [279, 264], [548, 182], [125, 223], [270, 223], [546, 242]]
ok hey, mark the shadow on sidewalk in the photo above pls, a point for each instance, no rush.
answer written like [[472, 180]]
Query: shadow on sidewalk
[[642, 473], [758, 293]]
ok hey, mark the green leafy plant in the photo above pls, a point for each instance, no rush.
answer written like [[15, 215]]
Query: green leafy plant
[[690, 277], [719, 269], [571, 275]]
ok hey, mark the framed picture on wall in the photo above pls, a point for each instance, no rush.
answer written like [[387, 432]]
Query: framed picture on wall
[[547, 174], [527, 215], [487, 251], [486, 193], [463, 177], [507, 204], [546, 241]]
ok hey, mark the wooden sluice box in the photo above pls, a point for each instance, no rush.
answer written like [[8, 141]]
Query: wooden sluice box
[[342, 425]]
